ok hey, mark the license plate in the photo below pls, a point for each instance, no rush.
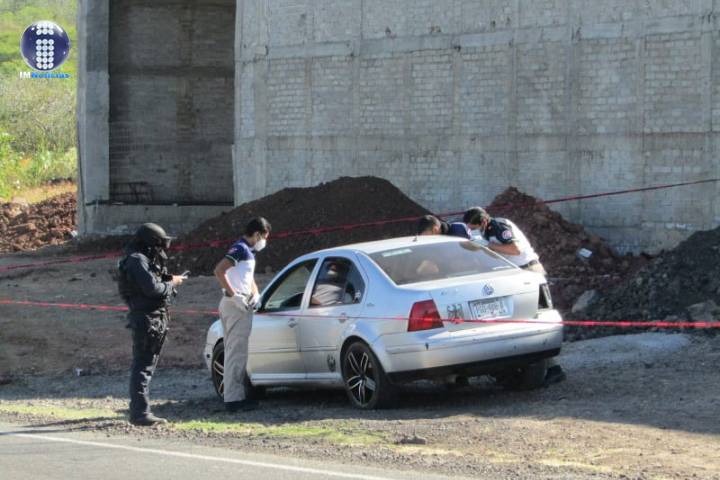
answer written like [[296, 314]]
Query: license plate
[[492, 308]]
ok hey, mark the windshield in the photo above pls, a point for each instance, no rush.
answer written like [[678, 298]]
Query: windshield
[[437, 261]]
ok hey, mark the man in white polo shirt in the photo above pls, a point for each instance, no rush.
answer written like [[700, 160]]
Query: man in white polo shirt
[[504, 237], [235, 273]]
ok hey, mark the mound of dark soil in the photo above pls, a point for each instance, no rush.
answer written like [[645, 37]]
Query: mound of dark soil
[[558, 241], [28, 227], [682, 284], [340, 202]]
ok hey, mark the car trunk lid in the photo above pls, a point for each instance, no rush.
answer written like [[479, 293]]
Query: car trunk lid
[[465, 305]]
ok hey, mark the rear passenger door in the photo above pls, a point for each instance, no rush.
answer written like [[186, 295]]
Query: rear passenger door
[[336, 297]]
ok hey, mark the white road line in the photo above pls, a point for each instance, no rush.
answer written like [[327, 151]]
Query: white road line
[[169, 453]]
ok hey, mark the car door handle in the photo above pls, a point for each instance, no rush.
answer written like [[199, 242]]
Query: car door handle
[[292, 323], [342, 318]]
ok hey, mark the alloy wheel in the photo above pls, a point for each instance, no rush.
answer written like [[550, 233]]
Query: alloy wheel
[[361, 379], [218, 370]]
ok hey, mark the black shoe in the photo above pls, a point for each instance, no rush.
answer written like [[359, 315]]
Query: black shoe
[[243, 405], [555, 374], [148, 420]]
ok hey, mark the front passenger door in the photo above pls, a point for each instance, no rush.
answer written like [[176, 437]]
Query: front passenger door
[[274, 346]]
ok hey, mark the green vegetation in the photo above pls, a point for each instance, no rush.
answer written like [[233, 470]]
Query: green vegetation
[[57, 412], [346, 434], [338, 432], [37, 116]]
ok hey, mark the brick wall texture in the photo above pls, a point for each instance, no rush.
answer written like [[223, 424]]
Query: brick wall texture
[[171, 101], [452, 100]]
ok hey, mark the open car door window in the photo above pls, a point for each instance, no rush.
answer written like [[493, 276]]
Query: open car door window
[[338, 283], [335, 304], [287, 292]]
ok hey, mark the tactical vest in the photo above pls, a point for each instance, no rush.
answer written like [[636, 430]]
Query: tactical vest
[[127, 288]]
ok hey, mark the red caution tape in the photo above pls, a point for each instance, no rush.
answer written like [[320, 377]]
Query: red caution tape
[[95, 307], [352, 226], [575, 323], [579, 323]]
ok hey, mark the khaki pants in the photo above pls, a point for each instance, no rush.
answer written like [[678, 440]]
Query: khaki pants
[[237, 324]]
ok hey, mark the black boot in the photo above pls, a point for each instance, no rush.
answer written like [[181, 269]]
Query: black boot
[[148, 420]]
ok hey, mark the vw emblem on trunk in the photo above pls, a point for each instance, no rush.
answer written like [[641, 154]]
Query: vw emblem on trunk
[[488, 290]]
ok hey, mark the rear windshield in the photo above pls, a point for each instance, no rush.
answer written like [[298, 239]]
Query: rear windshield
[[421, 263]]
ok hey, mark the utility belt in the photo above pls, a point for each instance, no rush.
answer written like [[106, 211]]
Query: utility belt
[[155, 323], [136, 309]]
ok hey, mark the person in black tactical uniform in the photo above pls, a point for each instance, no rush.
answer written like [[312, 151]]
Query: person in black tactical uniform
[[147, 289]]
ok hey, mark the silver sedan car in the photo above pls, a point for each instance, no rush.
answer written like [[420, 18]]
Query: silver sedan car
[[370, 316]]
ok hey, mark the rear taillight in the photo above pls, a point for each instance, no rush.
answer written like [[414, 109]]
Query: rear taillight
[[424, 316], [545, 300]]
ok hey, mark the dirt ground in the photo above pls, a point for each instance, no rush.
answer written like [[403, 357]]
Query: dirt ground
[[640, 406], [52, 341]]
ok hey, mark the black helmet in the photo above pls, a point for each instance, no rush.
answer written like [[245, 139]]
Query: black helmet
[[153, 235]]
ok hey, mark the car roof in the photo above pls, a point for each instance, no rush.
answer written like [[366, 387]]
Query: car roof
[[391, 243]]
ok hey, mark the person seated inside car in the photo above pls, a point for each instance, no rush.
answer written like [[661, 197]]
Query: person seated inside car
[[330, 287]]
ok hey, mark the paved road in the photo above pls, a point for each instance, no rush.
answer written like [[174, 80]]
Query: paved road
[[28, 453]]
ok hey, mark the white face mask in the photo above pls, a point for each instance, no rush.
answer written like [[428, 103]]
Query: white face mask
[[476, 233], [260, 244]]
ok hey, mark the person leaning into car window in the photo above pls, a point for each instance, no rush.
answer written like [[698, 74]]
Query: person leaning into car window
[[431, 225], [504, 237], [240, 294]]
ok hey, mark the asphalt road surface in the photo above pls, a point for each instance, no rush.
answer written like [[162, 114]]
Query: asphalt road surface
[[36, 453]]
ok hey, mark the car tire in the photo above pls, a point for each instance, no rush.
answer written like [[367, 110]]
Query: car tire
[[366, 384], [217, 369], [526, 377]]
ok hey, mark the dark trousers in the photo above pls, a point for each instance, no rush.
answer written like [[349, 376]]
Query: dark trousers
[[146, 353]]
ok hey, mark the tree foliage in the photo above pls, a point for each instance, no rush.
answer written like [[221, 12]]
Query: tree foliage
[[37, 116]]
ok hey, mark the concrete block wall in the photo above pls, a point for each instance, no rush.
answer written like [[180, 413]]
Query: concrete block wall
[[171, 105], [156, 99], [454, 100]]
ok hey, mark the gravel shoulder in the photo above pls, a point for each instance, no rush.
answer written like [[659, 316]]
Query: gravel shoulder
[[635, 406]]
